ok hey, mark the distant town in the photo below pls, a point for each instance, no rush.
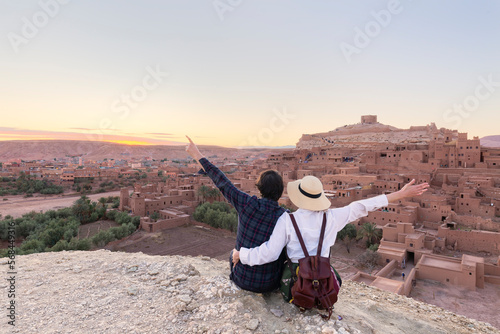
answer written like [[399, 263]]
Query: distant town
[[461, 212]]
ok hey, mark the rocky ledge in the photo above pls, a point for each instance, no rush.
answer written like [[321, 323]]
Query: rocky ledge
[[114, 292]]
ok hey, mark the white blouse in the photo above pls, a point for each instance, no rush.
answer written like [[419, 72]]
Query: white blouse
[[309, 223]]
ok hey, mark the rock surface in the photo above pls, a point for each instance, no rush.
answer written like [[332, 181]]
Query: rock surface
[[114, 292]]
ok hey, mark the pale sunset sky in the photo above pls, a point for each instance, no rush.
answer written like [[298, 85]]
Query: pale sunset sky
[[244, 72]]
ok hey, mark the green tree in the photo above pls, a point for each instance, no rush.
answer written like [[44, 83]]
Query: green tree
[[213, 194], [102, 207], [102, 238], [155, 216], [347, 234], [203, 192], [83, 209], [371, 233]]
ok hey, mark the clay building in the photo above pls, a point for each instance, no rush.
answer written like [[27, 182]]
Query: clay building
[[369, 119]]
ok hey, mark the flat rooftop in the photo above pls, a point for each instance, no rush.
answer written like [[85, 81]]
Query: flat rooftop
[[392, 251], [450, 264], [414, 236], [387, 284], [471, 260]]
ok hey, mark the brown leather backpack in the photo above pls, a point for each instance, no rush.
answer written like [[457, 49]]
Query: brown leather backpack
[[316, 284]]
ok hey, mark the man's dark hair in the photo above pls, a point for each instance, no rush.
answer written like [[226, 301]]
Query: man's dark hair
[[270, 185]]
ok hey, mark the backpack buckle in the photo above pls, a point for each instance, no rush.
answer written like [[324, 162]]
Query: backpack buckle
[[315, 284]]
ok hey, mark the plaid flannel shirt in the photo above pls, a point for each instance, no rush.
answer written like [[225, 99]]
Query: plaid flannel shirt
[[256, 220]]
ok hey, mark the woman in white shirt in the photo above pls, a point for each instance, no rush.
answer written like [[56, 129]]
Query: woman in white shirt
[[308, 195]]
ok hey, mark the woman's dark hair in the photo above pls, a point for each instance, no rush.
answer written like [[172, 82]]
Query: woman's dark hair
[[270, 185]]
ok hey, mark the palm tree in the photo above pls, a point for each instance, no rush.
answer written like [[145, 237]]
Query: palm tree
[[213, 193], [371, 233], [102, 203], [203, 192]]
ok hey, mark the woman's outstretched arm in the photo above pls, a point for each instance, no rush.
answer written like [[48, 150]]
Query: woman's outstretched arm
[[409, 190]]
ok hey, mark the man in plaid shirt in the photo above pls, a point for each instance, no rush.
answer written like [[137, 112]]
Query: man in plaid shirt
[[256, 220]]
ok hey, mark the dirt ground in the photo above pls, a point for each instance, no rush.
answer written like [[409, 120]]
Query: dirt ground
[[190, 240], [482, 304], [16, 206]]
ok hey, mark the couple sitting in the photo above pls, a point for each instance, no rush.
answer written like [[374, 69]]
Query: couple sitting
[[264, 228]]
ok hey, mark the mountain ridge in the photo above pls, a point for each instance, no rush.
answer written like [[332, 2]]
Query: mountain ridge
[[93, 150]]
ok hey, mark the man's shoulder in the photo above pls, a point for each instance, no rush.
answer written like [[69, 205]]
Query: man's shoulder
[[266, 204]]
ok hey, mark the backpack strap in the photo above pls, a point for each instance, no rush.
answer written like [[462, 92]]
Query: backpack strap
[[321, 237]]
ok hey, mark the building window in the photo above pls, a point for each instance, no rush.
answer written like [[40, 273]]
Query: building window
[[411, 245]]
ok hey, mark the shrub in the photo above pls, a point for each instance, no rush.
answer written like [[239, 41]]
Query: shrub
[[26, 227], [102, 238], [369, 259], [119, 232], [136, 220], [123, 218], [32, 246], [218, 215], [60, 246], [80, 244], [154, 216], [94, 217], [4, 228]]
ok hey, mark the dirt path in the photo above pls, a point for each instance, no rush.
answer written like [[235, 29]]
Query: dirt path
[[16, 206]]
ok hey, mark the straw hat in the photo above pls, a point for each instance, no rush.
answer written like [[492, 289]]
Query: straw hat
[[307, 193]]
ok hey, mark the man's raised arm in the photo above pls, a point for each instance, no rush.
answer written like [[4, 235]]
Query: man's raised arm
[[235, 196]]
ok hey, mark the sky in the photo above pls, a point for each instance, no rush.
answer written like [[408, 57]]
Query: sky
[[244, 73]]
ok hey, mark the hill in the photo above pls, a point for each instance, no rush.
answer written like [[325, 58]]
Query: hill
[[113, 292], [93, 150], [491, 141], [373, 135]]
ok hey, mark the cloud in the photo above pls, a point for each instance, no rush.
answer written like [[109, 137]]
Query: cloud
[[82, 129], [8, 133], [87, 129], [161, 134]]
